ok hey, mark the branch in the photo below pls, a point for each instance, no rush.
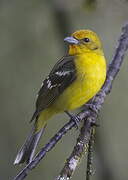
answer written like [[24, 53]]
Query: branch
[[88, 114], [96, 104], [79, 150], [90, 170]]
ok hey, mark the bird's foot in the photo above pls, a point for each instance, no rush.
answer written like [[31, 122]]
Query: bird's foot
[[74, 118], [92, 107]]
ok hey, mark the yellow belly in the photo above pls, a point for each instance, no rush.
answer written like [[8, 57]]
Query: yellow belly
[[91, 74]]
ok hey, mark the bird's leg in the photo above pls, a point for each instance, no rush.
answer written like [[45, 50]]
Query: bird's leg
[[91, 106], [94, 109], [74, 118]]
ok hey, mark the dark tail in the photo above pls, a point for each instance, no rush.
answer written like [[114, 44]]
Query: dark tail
[[27, 151]]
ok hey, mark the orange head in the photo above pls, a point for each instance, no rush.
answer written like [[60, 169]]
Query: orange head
[[83, 41]]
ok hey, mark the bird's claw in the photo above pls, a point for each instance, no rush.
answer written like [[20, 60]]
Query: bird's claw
[[73, 118], [76, 121], [92, 107]]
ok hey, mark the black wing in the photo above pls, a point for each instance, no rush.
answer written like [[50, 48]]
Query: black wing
[[61, 76]]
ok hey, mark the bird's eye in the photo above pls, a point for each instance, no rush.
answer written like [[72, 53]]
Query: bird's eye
[[86, 40]]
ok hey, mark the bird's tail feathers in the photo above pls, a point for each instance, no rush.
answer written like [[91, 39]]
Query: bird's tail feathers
[[27, 151]]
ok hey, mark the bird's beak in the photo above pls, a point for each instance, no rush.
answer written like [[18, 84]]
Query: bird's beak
[[71, 40]]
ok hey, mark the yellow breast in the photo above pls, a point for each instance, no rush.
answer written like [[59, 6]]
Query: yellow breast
[[91, 74]]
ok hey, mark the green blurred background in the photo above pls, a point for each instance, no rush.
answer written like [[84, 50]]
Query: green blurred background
[[31, 41]]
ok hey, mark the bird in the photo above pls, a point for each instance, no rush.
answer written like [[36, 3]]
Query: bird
[[73, 81]]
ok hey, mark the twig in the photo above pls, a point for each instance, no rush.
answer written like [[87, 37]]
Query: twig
[[90, 170], [78, 151], [87, 114], [97, 102]]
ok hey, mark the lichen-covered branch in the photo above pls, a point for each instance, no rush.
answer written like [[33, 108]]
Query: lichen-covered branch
[[88, 114], [79, 150], [97, 102], [90, 171]]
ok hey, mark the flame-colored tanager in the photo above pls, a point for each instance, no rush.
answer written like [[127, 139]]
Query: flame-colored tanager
[[72, 82]]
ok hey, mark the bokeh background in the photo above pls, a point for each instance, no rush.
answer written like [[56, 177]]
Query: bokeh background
[[31, 41]]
